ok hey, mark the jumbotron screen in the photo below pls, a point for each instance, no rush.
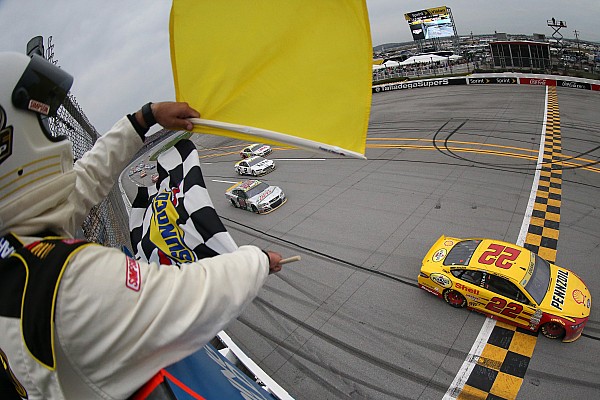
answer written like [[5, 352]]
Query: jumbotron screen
[[430, 23]]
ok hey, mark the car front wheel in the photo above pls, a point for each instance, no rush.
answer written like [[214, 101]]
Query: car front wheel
[[233, 203], [455, 299], [553, 330], [254, 209]]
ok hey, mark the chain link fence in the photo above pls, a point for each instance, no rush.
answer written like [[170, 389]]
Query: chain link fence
[[108, 222]]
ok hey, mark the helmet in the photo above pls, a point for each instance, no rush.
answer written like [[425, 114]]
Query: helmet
[[31, 91]]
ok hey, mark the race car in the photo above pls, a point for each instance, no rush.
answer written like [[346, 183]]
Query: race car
[[254, 166], [255, 196], [256, 149], [509, 283]]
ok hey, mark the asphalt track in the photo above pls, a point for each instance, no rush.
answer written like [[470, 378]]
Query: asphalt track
[[348, 321]]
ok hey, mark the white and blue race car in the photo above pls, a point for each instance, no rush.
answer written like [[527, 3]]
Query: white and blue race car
[[254, 166]]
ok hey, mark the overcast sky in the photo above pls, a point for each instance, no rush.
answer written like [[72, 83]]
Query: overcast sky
[[118, 51]]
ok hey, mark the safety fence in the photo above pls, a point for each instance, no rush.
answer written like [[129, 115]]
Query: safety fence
[[107, 223]]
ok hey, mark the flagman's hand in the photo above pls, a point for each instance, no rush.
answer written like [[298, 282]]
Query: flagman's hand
[[170, 115], [274, 259]]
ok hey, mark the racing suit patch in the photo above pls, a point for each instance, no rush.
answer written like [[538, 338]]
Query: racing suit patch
[[133, 278]]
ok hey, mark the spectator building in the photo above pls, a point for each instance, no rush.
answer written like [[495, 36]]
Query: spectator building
[[520, 55]]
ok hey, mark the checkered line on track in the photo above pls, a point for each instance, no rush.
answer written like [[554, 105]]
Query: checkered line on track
[[500, 368]]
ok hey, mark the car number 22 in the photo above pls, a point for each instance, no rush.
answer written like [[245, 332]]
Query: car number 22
[[500, 256], [500, 306]]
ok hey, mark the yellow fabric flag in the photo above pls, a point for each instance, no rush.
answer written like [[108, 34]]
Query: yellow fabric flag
[[296, 72]]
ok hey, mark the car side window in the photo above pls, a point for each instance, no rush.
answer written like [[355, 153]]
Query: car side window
[[506, 288], [473, 277], [244, 164]]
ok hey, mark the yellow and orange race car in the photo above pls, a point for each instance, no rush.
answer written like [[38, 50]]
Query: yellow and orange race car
[[509, 283]]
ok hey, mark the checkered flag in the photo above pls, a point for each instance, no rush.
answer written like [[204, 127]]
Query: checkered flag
[[174, 221]]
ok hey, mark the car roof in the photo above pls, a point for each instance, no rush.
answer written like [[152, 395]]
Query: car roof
[[245, 185], [249, 160], [516, 272]]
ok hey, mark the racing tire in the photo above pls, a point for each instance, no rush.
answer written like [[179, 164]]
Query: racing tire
[[253, 173], [455, 299], [254, 209], [553, 330], [233, 203]]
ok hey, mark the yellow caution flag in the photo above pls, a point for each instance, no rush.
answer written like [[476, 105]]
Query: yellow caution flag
[[295, 72]]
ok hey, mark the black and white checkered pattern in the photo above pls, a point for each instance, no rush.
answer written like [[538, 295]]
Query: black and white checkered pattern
[[180, 177]]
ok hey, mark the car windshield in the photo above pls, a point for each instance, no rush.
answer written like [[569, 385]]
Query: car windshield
[[461, 253], [261, 187], [540, 279], [255, 161]]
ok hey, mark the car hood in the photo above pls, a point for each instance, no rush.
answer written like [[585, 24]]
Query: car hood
[[264, 163], [267, 195], [567, 294]]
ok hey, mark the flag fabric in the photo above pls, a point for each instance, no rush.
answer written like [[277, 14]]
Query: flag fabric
[[295, 69], [174, 221]]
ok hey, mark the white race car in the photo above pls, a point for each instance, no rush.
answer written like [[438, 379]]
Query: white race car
[[254, 166], [255, 196], [256, 149]]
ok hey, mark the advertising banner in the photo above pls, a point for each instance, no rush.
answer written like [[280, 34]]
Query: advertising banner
[[537, 81], [210, 375], [497, 80], [427, 13], [420, 84], [573, 84]]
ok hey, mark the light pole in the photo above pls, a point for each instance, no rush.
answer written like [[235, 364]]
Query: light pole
[[556, 26]]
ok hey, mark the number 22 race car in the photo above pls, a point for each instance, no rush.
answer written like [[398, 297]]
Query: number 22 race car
[[509, 283]]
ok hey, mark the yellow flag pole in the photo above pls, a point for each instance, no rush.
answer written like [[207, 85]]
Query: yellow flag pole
[[278, 137]]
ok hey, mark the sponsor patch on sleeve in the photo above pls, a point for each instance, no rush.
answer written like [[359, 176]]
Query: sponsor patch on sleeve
[[133, 275]]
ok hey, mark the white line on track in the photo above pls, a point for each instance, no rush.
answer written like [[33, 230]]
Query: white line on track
[[215, 180], [465, 370], [298, 159]]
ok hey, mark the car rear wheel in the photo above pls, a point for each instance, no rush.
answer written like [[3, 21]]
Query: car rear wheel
[[455, 299], [233, 203], [553, 330]]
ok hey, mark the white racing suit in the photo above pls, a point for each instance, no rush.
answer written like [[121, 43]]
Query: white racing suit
[[113, 321]]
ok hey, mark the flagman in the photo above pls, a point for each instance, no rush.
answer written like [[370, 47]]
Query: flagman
[[79, 320]]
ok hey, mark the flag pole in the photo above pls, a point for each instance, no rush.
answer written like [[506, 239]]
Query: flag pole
[[278, 137], [289, 260]]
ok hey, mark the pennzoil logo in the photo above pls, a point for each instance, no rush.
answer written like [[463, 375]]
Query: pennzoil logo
[[560, 289], [165, 232], [6, 137]]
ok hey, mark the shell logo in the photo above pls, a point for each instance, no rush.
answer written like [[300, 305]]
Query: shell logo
[[578, 296]]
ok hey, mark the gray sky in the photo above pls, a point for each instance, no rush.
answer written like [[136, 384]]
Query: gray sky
[[118, 52]]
